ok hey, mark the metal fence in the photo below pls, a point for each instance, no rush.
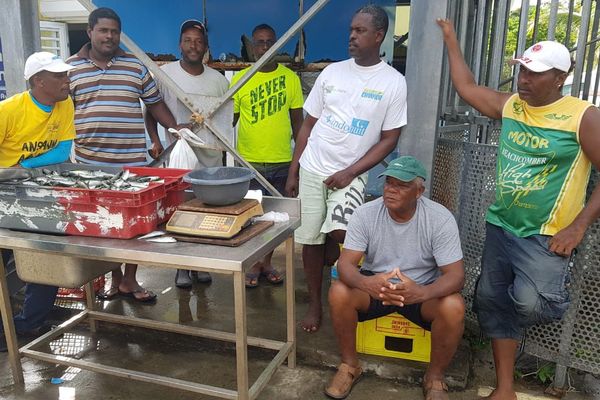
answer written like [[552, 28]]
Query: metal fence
[[573, 342], [492, 32]]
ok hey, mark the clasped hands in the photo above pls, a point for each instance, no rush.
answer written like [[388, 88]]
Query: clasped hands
[[395, 288]]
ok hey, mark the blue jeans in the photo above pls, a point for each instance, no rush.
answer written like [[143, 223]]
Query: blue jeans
[[275, 173], [39, 300], [522, 283]]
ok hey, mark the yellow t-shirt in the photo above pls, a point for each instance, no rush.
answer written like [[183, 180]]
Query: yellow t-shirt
[[27, 131], [264, 102]]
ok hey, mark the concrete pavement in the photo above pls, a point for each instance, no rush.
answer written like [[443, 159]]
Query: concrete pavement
[[213, 362]]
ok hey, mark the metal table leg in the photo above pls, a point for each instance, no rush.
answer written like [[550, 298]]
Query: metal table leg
[[91, 303], [290, 300], [241, 339], [9, 328]]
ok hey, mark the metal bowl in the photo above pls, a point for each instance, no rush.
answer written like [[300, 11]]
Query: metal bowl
[[220, 186]]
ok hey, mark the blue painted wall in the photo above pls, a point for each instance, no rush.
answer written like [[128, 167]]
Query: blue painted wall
[[154, 24]]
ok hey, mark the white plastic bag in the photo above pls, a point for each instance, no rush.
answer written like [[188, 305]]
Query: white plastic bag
[[189, 136], [182, 156]]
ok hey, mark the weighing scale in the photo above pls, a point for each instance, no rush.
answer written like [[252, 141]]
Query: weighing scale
[[198, 219]]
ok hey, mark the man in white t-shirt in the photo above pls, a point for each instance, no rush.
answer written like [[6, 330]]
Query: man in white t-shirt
[[354, 115], [196, 79]]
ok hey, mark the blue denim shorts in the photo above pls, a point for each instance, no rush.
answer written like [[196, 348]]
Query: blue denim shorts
[[275, 173], [522, 283]]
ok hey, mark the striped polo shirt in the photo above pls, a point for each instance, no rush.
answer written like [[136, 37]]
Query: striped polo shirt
[[108, 114]]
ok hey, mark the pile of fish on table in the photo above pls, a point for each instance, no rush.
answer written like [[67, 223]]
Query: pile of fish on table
[[84, 179]]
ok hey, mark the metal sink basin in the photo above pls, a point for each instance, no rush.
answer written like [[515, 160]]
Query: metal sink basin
[[59, 270]]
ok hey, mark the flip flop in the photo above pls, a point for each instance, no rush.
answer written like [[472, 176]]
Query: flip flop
[[252, 279], [146, 295], [273, 276], [108, 294]]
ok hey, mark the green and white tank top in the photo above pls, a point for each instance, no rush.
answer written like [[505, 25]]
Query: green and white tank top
[[542, 172]]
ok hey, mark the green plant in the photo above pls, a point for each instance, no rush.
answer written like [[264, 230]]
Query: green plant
[[544, 373]]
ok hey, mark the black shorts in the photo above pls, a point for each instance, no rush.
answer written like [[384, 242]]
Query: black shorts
[[411, 312]]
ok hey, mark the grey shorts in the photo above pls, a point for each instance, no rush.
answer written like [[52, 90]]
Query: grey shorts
[[522, 283]]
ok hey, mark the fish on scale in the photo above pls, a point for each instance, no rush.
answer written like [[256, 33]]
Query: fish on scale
[[93, 179]]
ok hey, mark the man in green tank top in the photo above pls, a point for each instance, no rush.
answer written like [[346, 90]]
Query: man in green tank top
[[547, 145]]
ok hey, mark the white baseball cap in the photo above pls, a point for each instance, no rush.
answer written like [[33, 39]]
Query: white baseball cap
[[543, 56], [44, 61]]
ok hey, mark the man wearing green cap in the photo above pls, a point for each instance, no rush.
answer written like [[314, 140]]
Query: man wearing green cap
[[412, 265]]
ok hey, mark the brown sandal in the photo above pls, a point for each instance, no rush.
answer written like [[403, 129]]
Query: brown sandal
[[343, 381], [435, 390]]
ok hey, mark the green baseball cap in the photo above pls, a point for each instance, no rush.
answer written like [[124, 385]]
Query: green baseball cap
[[405, 168]]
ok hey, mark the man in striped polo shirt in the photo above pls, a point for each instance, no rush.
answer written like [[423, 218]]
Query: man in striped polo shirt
[[107, 85]]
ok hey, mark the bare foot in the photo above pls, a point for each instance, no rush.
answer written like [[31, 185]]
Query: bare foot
[[501, 395], [312, 320]]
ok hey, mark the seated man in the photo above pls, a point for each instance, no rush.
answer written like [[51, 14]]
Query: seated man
[[412, 265], [37, 129]]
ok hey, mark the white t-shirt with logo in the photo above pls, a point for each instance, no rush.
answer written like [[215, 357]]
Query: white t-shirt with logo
[[353, 104]]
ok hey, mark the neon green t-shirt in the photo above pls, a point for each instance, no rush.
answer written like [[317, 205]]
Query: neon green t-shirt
[[265, 129], [27, 131]]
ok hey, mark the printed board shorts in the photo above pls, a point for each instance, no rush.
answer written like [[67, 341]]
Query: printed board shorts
[[325, 210]]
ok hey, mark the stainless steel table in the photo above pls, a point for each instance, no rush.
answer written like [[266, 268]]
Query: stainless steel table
[[196, 257]]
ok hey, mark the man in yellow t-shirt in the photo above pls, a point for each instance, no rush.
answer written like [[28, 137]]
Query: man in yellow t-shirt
[[36, 126], [37, 129], [269, 110]]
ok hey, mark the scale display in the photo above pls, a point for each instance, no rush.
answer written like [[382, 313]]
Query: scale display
[[194, 221], [211, 224]]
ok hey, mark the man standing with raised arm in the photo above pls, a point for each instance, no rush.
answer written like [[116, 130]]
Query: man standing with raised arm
[[547, 144]]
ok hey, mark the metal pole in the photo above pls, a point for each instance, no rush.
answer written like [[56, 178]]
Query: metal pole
[[423, 72], [552, 19], [499, 29], [591, 55], [581, 46], [479, 37], [20, 33], [10, 335], [301, 44], [522, 37], [536, 20]]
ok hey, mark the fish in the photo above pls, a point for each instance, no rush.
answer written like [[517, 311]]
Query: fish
[[153, 234], [162, 239], [124, 180]]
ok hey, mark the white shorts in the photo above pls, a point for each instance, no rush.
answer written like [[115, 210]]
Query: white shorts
[[325, 210]]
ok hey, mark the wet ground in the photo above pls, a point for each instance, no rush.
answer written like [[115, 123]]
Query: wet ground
[[213, 362]]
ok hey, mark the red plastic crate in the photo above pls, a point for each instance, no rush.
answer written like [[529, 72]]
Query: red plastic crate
[[174, 187], [84, 212], [111, 221]]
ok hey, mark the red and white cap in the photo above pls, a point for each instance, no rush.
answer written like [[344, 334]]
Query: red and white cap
[[543, 56], [44, 61]]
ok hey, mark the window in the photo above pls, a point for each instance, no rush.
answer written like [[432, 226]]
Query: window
[[54, 38]]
